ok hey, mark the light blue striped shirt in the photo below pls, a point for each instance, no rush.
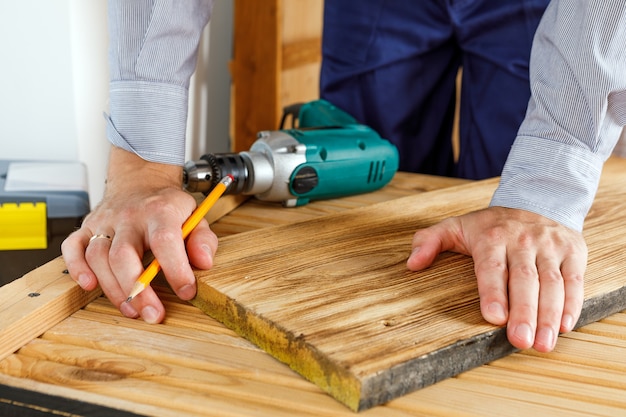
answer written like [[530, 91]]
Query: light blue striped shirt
[[575, 114], [152, 54], [574, 118]]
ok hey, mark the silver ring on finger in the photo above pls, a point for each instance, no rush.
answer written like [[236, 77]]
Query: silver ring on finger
[[100, 236]]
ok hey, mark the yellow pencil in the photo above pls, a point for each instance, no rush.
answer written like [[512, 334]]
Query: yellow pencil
[[150, 272]]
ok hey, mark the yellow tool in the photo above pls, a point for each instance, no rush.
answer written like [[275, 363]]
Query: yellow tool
[[23, 226]]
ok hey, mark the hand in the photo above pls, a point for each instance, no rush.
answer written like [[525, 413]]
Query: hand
[[143, 208], [537, 262]]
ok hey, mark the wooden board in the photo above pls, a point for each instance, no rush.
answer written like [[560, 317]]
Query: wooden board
[[24, 317], [276, 62], [110, 360], [32, 304], [257, 214], [332, 297], [42, 298]]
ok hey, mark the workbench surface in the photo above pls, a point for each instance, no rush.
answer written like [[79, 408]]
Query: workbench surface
[[192, 365]]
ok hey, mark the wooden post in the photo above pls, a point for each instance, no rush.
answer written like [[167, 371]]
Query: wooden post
[[256, 69]]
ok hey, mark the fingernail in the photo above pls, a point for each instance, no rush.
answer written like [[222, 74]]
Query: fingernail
[[207, 249], [545, 336], [496, 311], [187, 292], [84, 280], [523, 332], [568, 322], [415, 250], [149, 315], [128, 310]]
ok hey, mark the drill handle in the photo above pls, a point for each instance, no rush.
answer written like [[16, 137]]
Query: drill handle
[[317, 113]]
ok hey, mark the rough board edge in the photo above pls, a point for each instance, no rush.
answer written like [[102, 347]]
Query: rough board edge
[[455, 358], [406, 377], [434, 367], [598, 308], [283, 345]]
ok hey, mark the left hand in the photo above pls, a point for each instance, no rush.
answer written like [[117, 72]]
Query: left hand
[[529, 269]]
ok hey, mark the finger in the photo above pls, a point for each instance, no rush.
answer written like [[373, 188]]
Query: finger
[[149, 305], [430, 242], [523, 298], [126, 261], [490, 267], [73, 251], [201, 246], [97, 256], [169, 248], [573, 271], [550, 307]]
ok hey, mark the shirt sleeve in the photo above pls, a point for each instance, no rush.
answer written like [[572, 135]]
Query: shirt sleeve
[[576, 111], [152, 55]]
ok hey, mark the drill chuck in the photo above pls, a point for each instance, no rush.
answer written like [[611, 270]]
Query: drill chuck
[[204, 174], [253, 172]]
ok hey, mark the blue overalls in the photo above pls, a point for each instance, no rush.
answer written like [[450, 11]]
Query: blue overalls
[[392, 64]]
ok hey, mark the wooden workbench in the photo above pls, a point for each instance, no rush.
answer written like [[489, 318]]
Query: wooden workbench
[[192, 365]]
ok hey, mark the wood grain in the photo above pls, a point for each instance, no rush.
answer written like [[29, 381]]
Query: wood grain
[[40, 299], [188, 370], [222, 207], [256, 69], [80, 396], [257, 214], [591, 356], [45, 296], [332, 297]]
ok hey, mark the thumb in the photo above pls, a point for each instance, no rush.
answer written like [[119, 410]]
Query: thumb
[[430, 242], [201, 246]]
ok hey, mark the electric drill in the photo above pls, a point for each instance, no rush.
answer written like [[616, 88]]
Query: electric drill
[[328, 155]]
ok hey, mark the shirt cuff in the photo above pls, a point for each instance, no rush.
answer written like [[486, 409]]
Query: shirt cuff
[[555, 180], [149, 119]]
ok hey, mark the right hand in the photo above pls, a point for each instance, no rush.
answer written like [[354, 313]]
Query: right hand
[[143, 208]]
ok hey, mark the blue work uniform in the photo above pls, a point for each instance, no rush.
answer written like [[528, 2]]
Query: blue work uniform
[[392, 64]]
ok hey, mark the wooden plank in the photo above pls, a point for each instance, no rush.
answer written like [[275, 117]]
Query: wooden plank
[[561, 391], [462, 396], [297, 54], [332, 297], [34, 303], [115, 385], [95, 350], [301, 51], [104, 355], [530, 364], [21, 319], [256, 69], [161, 383], [81, 396], [459, 397], [223, 206], [277, 53], [302, 19], [257, 214], [45, 296], [299, 85]]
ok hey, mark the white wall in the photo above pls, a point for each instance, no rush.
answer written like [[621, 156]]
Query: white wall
[[36, 82], [209, 112], [54, 83], [90, 70]]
